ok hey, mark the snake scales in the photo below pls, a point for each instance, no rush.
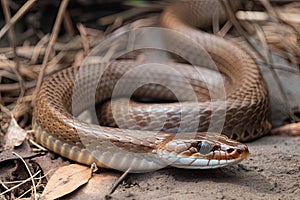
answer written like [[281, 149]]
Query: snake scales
[[246, 107]]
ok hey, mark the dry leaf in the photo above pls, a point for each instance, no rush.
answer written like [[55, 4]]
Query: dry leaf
[[65, 180], [15, 135], [97, 188]]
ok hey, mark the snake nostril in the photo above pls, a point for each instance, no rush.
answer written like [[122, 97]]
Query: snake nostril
[[239, 151], [235, 152]]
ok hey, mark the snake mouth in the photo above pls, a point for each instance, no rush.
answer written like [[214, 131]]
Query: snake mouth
[[203, 153]]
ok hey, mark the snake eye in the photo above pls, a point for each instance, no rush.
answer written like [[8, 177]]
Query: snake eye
[[204, 147]]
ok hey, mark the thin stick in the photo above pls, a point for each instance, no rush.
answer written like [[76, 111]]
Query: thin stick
[[40, 148], [16, 17], [9, 87], [275, 16], [68, 24], [24, 99], [3, 185], [240, 28], [262, 16], [38, 48], [84, 38], [266, 59], [11, 33], [30, 174], [16, 186], [19, 197], [125, 15], [53, 38], [119, 181], [12, 41], [224, 30], [28, 179], [293, 117]]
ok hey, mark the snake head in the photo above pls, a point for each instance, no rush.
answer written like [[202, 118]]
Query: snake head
[[205, 151]]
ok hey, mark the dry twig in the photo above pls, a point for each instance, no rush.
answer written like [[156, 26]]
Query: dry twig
[[53, 37], [16, 17]]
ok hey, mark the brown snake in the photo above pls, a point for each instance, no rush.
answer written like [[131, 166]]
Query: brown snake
[[245, 109]]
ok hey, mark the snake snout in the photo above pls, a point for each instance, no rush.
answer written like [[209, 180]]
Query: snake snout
[[202, 153], [240, 152]]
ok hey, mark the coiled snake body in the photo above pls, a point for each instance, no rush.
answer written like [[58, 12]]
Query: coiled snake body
[[246, 107]]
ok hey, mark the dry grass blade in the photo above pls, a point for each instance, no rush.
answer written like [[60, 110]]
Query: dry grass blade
[[53, 37], [275, 17], [130, 13], [239, 28], [16, 86], [30, 174], [85, 41], [21, 183], [224, 30], [12, 36], [12, 40], [267, 57], [16, 17], [38, 48], [259, 16], [273, 14], [117, 183], [281, 28]]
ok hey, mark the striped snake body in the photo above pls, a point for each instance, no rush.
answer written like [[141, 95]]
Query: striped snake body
[[246, 107]]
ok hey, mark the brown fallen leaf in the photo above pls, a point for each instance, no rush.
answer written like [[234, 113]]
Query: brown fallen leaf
[[50, 163], [65, 180], [15, 135], [98, 187]]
